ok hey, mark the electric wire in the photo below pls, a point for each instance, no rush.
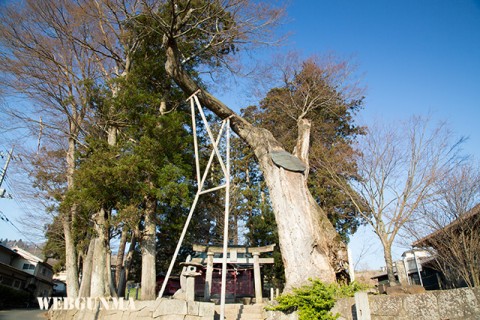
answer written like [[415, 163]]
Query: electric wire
[[16, 197], [13, 195], [7, 220]]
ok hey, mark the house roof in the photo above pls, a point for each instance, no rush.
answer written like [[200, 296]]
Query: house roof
[[31, 257], [472, 213], [11, 270], [18, 252], [8, 250]]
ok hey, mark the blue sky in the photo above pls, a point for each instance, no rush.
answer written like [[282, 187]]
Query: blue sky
[[415, 57]]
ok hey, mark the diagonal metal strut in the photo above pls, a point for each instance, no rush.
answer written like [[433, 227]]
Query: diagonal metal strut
[[194, 101]]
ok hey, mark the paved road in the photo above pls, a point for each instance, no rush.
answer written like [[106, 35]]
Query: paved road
[[22, 314]]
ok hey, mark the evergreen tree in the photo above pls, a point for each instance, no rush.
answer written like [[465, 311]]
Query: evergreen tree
[[317, 92]]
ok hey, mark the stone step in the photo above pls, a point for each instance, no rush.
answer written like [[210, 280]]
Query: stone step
[[241, 312]]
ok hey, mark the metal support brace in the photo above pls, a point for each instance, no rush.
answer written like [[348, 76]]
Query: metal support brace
[[194, 102]]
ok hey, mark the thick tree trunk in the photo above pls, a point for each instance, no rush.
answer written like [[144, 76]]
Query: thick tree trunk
[[120, 257], [87, 271], [98, 281], [310, 246], [70, 248], [387, 252], [127, 265], [148, 247], [70, 259]]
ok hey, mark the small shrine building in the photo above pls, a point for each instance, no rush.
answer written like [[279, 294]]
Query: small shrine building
[[244, 278]]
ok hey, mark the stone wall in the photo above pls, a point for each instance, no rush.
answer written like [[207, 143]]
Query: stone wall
[[277, 315], [346, 308], [453, 304], [163, 309]]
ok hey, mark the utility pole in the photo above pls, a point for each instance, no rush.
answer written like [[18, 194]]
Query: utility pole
[[4, 172]]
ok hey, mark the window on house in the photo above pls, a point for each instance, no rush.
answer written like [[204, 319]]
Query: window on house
[[17, 283], [28, 266], [412, 265], [415, 279]]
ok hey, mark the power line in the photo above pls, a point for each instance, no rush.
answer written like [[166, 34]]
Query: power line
[[5, 218], [20, 204], [16, 198]]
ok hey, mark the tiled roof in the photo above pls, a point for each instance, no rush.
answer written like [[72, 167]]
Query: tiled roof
[[463, 219]]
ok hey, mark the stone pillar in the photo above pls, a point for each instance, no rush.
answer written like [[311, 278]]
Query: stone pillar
[[187, 291], [190, 283], [401, 273], [208, 276], [362, 306], [190, 275], [351, 269], [257, 277]]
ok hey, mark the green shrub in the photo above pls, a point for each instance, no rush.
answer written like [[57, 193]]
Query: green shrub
[[315, 301], [345, 291]]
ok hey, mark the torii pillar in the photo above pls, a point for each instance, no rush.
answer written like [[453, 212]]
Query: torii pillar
[[257, 277], [209, 260], [209, 276]]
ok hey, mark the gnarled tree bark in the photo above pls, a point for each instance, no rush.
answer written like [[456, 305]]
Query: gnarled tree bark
[[149, 251], [127, 264]]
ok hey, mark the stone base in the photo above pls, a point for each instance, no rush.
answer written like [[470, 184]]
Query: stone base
[[168, 309], [404, 289]]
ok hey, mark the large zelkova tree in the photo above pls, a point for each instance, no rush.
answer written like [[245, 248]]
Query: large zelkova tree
[[315, 104], [449, 227], [319, 91], [204, 31], [398, 168]]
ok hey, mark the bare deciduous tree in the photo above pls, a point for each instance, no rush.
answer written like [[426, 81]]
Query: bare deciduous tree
[[53, 52], [398, 167], [41, 63], [450, 226]]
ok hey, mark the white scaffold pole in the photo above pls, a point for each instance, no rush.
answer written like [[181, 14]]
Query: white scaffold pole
[[225, 227], [200, 190]]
